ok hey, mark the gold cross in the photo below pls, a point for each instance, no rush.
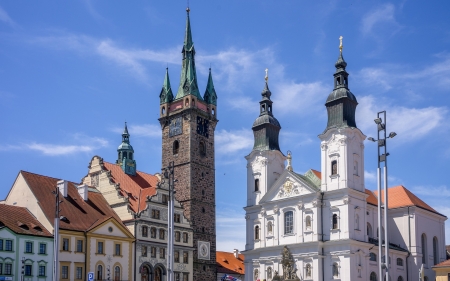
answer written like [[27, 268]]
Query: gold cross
[[340, 45], [267, 75]]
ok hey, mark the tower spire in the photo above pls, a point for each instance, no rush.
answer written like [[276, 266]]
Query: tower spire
[[166, 94], [125, 154], [188, 80], [210, 95], [341, 103]]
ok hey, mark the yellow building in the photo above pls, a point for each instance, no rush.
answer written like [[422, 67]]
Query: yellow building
[[442, 271], [92, 237]]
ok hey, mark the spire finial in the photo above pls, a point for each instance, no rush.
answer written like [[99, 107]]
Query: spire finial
[[188, 10], [289, 161], [340, 45], [267, 75]]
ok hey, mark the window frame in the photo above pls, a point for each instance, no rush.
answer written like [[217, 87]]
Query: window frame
[[10, 243], [28, 270], [8, 266], [65, 273], [40, 267], [40, 252], [288, 224], [63, 244], [117, 246], [78, 246], [29, 247]]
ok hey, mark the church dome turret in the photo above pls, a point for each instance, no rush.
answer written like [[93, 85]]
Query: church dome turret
[[126, 154]]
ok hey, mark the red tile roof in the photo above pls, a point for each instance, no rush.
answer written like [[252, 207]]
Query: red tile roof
[[442, 264], [82, 215], [229, 264], [138, 188], [317, 173], [372, 199], [21, 221]]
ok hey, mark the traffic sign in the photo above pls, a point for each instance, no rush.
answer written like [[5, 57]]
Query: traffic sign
[[90, 276]]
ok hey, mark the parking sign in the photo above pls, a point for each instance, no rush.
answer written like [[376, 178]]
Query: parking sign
[[90, 276]]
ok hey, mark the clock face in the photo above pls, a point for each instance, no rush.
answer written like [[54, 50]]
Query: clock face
[[202, 126], [203, 250], [175, 127]]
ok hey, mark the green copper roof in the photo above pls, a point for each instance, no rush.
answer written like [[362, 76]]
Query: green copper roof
[[188, 80], [210, 95], [125, 145], [166, 94]]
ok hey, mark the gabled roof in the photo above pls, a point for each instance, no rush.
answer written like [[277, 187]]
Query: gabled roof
[[21, 221], [443, 264], [229, 264], [81, 215], [137, 188], [371, 199]]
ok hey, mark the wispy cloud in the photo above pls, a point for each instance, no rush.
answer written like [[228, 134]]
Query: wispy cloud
[[384, 14], [141, 130], [231, 231], [4, 17], [231, 142]]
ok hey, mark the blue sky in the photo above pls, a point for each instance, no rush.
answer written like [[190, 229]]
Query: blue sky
[[71, 73]]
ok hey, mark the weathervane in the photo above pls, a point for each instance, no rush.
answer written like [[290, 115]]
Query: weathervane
[[340, 45], [267, 75]]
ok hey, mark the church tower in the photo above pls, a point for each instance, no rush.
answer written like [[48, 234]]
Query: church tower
[[266, 162], [125, 154], [342, 148], [188, 122]]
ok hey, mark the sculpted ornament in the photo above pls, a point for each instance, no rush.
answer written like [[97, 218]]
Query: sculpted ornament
[[275, 209], [288, 189], [247, 217], [300, 205]]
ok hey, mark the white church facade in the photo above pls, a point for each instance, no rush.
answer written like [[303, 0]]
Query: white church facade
[[323, 225]]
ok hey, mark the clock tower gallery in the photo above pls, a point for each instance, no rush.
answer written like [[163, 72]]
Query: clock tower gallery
[[188, 121]]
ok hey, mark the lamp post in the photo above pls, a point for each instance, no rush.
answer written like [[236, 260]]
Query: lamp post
[[56, 235], [382, 158], [168, 174]]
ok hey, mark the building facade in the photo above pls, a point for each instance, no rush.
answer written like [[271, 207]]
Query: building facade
[[25, 245], [188, 121], [323, 225]]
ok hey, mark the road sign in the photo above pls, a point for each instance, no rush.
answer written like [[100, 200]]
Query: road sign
[[90, 276]]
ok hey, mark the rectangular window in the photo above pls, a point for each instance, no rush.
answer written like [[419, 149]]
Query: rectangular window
[[117, 249], [99, 247], [65, 244], [28, 247], [185, 237], [42, 248], [1, 268], [177, 236], [79, 273], [161, 234], [1, 245], [42, 270], [153, 232], [8, 268], [177, 276], [288, 222], [144, 231], [8, 245], [176, 256], [155, 214], [177, 218], [144, 251], [185, 276], [165, 199], [162, 253], [153, 252], [80, 246], [185, 257], [28, 270], [64, 272]]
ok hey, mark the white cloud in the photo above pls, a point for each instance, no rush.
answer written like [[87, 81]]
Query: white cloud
[[370, 176], [4, 17], [381, 15], [231, 231], [230, 142], [409, 123], [432, 191], [141, 130]]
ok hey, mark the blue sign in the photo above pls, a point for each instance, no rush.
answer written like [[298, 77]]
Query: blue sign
[[90, 276]]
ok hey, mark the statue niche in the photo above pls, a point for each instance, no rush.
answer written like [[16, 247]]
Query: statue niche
[[289, 270]]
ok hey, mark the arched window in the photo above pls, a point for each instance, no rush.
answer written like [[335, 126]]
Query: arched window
[[269, 227], [117, 273], [158, 274], [335, 270], [357, 221], [163, 110], [99, 272], [144, 231], [176, 147], [334, 167], [335, 221], [289, 222], [308, 222], [400, 278], [435, 250], [424, 248], [426, 278], [269, 273], [373, 257], [369, 230], [257, 232], [202, 148], [399, 262], [308, 271], [373, 276], [125, 155], [256, 184]]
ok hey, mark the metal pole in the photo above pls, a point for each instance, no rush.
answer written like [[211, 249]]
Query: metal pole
[[386, 205], [380, 233], [170, 222], [56, 237]]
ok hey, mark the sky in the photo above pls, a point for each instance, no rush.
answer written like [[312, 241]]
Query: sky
[[72, 72]]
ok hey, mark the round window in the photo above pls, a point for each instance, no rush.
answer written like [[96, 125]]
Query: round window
[[110, 229]]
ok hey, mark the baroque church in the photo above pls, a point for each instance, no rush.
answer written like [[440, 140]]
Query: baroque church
[[322, 225], [188, 121]]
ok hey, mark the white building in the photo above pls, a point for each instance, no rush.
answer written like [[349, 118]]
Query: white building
[[323, 225]]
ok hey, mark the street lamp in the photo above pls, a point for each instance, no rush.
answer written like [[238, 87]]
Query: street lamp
[[382, 158], [168, 174]]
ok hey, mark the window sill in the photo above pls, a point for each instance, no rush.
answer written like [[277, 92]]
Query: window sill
[[66, 251], [359, 230], [29, 253], [118, 256], [335, 230], [76, 252], [100, 254], [288, 234], [334, 176], [308, 232], [43, 254]]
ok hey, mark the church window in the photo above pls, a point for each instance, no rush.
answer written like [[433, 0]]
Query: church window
[[125, 155], [153, 232], [269, 273], [373, 276], [270, 108], [435, 250], [186, 103], [334, 167], [176, 256], [289, 222], [335, 270], [269, 227], [177, 218], [153, 252], [308, 222], [144, 251], [369, 230], [202, 148], [117, 273], [373, 257], [144, 231], [257, 232], [399, 262], [176, 147], [308, 271], [155, 214], [256, 184], [424, 248], [263, 108], [400, 278], [161, 233], [335, 221], [163, 110]]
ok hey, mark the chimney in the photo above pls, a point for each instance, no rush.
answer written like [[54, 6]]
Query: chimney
[[62, 186], [236, 253], [83, 191]]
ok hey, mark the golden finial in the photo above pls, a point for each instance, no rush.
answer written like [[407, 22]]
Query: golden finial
[[340, 45], [267, 75], [289, 161]]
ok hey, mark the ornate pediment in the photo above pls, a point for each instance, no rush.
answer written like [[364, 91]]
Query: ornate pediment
[[288, 189]]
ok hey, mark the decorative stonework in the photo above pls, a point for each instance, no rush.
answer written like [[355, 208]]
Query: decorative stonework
[[288, 189]]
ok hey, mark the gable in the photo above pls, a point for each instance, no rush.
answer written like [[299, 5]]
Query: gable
[[111, 227], [289, 185]]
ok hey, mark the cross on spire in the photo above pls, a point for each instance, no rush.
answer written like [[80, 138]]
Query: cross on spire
[[340, 45]]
